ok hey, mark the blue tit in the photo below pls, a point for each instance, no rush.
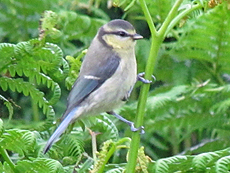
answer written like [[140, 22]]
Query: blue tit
[[107, 76]]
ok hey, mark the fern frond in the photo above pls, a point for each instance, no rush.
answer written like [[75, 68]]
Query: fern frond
[[108, 126], [7, 51], [27, 88], [20, 141], [163, 165], [5, 168], [207, 38], [160, 100], [42, 165], [40, 64], [102, 123], [201, 161], [72, 146], [222, 165]]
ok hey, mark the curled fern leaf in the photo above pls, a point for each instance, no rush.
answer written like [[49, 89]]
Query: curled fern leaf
[[36, 64]]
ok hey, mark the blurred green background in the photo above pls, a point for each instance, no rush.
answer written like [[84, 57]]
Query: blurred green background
[[188, 105]]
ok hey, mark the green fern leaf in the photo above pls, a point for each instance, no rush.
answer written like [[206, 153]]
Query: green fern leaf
[[72, 146], [201, 161], [41, 165], [4, 86], [12, 71], [5, 168], [103, 124], [20, 50], [207, 38], [19, 141], [36, 95], [163, 165], [7, 52], [12, 87], [160, 100], [222, 165]]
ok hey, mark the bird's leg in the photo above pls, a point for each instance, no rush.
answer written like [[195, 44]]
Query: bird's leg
[[130, 123], [140, 77]]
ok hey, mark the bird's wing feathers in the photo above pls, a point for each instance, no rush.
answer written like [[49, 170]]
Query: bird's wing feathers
[[87, 83]]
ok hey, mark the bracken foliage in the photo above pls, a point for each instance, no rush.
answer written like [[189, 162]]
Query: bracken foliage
[[187, 112]]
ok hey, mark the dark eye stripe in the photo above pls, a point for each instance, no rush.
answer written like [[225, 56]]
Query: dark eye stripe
[[119, 33], [122, 34]]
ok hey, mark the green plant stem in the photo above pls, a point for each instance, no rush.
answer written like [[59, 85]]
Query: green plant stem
[[7, 158], [169, 19], [157, 39], [182, 15], [94, 144]]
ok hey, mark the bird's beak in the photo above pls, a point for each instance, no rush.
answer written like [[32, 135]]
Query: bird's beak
[[137, 36]]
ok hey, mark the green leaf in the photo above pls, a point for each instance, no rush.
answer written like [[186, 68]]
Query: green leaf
[[41, 165], [19, 141], [207, 38], [201, 161], [5, 168], [222, 165]]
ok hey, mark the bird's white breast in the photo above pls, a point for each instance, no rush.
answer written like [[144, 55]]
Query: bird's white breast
[[110, 94]]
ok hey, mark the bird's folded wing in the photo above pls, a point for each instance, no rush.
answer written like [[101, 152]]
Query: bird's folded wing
[[87, 83]]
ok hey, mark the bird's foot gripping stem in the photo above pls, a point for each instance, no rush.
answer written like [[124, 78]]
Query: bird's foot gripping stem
[[140, 77], [130, 123]]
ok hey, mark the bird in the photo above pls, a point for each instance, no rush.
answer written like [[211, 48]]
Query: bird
[[106, 78]]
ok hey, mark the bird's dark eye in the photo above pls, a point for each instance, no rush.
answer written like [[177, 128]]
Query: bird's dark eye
[[122, 34]]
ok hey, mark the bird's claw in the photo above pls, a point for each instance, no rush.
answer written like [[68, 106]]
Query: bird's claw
[[134, 129], [140, 77]]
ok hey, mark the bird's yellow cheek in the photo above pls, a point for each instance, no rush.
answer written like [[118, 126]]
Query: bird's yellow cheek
[[117, 43]]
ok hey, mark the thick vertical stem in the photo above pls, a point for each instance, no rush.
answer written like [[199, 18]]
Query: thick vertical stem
[[157, 38]]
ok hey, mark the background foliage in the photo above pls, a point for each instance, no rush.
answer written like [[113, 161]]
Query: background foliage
[[187, 115]]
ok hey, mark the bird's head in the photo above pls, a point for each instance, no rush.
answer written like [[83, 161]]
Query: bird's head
[[118, 34]]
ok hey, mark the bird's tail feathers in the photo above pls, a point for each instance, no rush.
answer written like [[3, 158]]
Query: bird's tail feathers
[[61, 128]]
